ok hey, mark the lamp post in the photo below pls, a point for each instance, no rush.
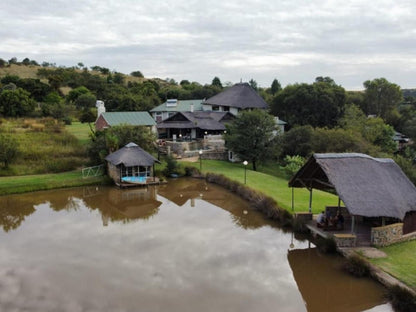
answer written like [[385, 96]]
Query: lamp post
[[200, 160], [245, 163]]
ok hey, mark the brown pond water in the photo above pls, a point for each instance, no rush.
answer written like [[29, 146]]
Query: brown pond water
[[185, 246]]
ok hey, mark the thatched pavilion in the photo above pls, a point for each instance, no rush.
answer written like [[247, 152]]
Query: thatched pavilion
[[375, 192], [131, 165]]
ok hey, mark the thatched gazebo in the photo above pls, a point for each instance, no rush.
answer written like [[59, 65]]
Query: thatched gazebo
[[374, 190], [131, 165]]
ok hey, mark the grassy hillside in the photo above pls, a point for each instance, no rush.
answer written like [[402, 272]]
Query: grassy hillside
[[23, 71], [30, 71], [44, 147]]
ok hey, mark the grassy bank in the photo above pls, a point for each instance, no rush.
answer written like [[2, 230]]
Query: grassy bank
[[400, 262], [30, 183], [273, 186]]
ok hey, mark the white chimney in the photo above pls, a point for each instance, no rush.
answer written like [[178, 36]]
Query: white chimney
[[192, 108], [100, 108]]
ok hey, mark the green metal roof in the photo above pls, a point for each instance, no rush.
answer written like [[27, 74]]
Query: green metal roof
[[129, 118], [181, 106]]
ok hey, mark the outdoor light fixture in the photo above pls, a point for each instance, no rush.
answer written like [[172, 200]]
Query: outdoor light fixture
[[245, 163]]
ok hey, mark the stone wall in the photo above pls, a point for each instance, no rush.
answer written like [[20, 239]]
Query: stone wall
[[114, 172], [215, 155], [345, 240], [386, 235]]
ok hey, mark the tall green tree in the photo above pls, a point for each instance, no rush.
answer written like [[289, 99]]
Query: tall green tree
[[320, 104], [251, 136], [381, 97], [16, 103], [253, 84], [275, 87], [216, 82]]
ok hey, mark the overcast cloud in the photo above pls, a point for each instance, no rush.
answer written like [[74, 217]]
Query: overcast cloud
[[293, 41]]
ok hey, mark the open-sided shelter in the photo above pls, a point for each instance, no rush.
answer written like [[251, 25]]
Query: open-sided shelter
[[372, 189], [131, 165], [194, 125]]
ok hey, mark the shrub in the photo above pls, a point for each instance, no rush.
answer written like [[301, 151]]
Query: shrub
[[326, 245], [401, 299], [357, 266], [192, 172]]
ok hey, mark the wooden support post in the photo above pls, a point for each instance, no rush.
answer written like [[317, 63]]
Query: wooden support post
[[310, 200], [352, 224], [293, 200]]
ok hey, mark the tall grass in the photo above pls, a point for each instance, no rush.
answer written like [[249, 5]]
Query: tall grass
[[45, 149]]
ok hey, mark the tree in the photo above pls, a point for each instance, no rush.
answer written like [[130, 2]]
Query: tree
[[381, 97], [297, 141], [251, 136], [16, 103], [275, 87], [75, 93], [85, 101], [378, 133], [26, 61], [292, 164], [104, 142], [53, 106], [320, 104], [8, 149], [253, 84], [137, 73], [216, 82]]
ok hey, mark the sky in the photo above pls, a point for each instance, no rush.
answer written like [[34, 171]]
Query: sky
[[294, 41]]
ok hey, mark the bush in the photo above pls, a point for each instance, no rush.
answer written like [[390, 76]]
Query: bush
[[357, 266], [401, 299], [326, 245], [192, 172]]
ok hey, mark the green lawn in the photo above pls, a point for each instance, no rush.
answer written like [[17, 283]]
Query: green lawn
[[80, 130], [29, 183], [274, 186], [400, 262]]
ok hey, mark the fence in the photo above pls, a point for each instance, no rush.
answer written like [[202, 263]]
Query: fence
[[94, 171]]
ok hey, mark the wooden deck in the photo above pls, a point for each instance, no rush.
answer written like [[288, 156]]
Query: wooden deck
[[149, 181], [361, 231]]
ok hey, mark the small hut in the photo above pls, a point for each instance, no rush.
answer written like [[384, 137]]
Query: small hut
[[131, 165], [375, 192]]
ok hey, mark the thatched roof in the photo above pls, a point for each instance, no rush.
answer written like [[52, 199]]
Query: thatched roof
[[240, 95], [131, 155], [371, 187]]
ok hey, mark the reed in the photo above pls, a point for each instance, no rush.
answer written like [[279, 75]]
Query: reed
[[357, 266]]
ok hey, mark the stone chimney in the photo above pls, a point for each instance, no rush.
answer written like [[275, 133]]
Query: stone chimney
[[100, 108]]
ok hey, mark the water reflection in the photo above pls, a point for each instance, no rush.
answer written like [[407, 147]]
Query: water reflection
[[337, 291], [184, 246]]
